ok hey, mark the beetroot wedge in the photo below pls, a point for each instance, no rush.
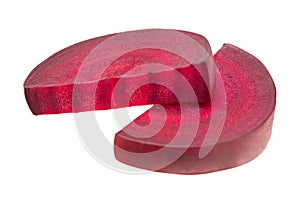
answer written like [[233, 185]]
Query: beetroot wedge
[[94, 67], [250, 102]]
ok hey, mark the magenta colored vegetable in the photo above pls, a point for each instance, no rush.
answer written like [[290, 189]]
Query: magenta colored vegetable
[[250, 94], [49, 87], [249, 91]]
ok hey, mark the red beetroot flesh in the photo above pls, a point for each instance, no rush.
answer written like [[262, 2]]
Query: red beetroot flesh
[[250, 100], [49, 87]]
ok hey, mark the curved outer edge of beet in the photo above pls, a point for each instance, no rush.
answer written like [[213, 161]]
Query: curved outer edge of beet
[[227, 45], [189, 163], [34, 95], [31, 92], [263, 129]]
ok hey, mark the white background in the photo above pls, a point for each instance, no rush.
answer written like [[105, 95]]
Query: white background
[[41, 157]]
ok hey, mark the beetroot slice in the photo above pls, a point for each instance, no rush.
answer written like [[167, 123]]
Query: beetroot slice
[[250, 100], [49, 87]]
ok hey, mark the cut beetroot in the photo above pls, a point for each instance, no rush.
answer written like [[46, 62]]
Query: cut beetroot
[[50, 86], [144, 67], [250, 101]]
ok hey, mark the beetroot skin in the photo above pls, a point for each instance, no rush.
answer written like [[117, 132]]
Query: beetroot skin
[[249, 90]]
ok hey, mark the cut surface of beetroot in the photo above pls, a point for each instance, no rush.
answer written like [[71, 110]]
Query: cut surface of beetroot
[[144, 67], [50, 86], [250, 102]]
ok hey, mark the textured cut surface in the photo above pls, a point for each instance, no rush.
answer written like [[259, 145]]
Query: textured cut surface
[[250, 95], [83, 78], [49, 87]]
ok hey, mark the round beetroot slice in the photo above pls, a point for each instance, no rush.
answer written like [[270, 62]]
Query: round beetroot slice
[[250, 100], [49, 87]]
